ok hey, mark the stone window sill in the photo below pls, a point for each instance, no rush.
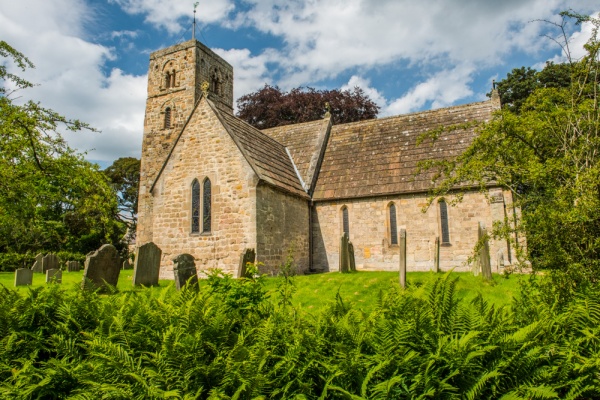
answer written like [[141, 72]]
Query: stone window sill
[[445, 244]]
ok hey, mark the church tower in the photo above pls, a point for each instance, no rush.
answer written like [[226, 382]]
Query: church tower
[[175, 79]]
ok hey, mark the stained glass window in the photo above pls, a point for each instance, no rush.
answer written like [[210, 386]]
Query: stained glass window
[[167, 117], [195, 206], [345, 222], [393, 226], [444, 222], [206, 206]]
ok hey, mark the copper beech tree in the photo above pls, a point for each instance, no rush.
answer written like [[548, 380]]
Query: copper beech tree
[[270, 106]]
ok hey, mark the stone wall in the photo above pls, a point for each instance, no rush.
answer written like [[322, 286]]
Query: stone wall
[[282, 226], [205, 150], [370, 231]]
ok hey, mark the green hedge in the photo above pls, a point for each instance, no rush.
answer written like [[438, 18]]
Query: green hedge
[[12, 261]]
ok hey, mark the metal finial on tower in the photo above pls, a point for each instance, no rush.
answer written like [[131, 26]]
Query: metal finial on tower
[[194, 24]]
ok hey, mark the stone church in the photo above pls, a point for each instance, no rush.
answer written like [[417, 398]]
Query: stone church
[[212, 185]]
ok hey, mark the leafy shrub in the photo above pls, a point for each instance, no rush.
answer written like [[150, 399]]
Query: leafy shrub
[[225, 343]]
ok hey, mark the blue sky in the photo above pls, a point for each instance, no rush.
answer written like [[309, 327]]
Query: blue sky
[[91, 56]]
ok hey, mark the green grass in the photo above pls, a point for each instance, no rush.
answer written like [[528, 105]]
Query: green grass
[[313, 292]]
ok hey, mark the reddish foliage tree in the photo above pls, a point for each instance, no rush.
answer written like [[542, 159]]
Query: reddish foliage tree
[[270, 107]]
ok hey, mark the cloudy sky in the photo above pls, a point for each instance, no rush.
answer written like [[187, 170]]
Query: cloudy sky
[[91, 56]]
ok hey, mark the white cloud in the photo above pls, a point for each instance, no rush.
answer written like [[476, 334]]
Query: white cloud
[[174, 15], [441, 90], [365, 85], [70, 78]]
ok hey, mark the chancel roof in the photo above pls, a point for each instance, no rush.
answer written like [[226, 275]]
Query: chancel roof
[[306, 143], [269, 158], [380, 156]]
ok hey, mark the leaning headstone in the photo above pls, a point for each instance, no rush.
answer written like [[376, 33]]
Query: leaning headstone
[[351, 259], [54, 276], [23, 277], [249, 256], [49, 262], [484, 253], [127, 264], [185, 271], [436, 255], [344, 256], [101, 268], [403, 258], [73, 266], [147, 265], [37, 265]]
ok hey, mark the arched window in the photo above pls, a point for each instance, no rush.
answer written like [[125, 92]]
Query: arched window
[[444, 222], [195, 206], [393, 225], [167, 80], [206, 199], [345, 221], [173, 78], [168, 118]]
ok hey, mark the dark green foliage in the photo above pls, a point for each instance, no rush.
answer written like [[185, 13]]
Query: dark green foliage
[[50, 197], [224, 343]]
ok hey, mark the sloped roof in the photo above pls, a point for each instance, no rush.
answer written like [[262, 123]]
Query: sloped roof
[[305, 142], [380, 156], [268, 158]]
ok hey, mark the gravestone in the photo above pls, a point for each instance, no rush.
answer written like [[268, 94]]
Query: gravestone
[[54, 276], [147, 265], [484, 253], [351, 259], [402, 258], [185, 271], [49, 262], [127, 264], [249, 256], [101, 268], [73, 266], [37, 265], [436, 255], [23, 277]]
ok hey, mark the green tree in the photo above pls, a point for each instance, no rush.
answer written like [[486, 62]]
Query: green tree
[[547, 152], [124, 174], [50, 197]]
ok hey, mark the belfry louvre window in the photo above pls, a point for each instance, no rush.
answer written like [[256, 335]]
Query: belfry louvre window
[[444, 222], [168, 118], [206, 198], [393, 225], [195, 206], [345, 221]]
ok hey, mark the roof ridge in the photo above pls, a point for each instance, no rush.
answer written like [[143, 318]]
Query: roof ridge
[[415, 113]]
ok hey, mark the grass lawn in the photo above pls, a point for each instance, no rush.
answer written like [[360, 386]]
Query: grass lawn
[[313, 292]]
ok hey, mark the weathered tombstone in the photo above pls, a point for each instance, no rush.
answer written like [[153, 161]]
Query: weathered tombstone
[[49, 262], [54, 276], [436, 255], [351, 259], [484, 253], [73, 266], [127, 264], [23, 277], [500, 262], [37, 265], [101, 268], [344, 257], [403, 258], [185, 271], [249, 256], [147, 265]]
